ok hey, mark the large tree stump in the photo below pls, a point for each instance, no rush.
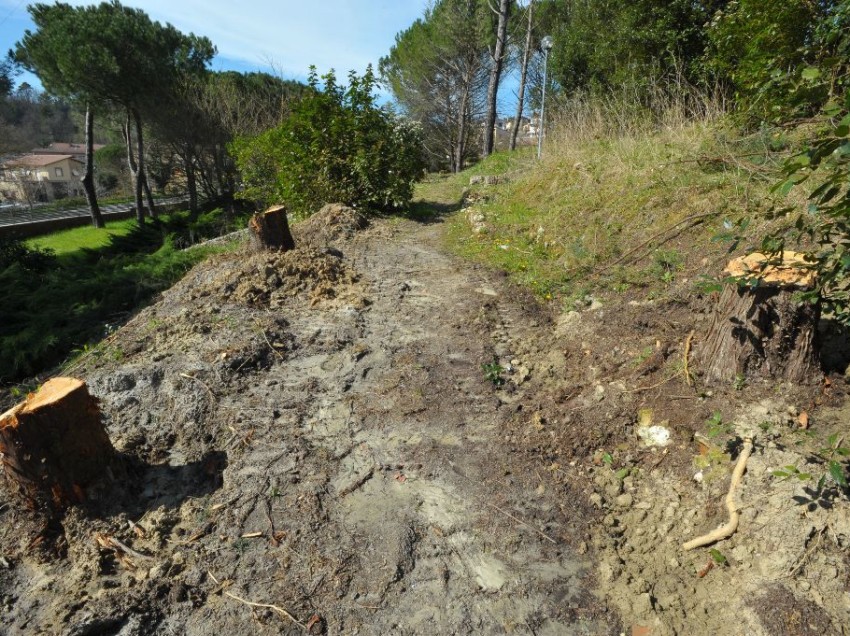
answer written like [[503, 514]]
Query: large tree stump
[[54, 445], [763, 331], [269, 230]]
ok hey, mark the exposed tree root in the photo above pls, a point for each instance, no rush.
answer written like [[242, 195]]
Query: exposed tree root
[[727, 529]]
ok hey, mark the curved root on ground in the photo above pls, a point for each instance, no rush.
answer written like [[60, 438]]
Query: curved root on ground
[[727, 529]]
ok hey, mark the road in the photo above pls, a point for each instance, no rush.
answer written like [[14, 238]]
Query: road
[[25, 217]]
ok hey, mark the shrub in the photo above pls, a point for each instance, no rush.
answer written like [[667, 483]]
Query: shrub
[[336, 146]]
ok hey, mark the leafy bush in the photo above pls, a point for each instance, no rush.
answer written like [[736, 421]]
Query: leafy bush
[[336, 146], [825, 223]]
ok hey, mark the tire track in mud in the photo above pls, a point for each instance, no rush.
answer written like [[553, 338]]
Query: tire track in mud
[[368, 463]]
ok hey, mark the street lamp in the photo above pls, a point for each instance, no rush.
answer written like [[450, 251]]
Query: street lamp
[[545, 44]]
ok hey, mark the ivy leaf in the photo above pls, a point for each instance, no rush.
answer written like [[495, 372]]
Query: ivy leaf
[[810, 74], [836, 471]]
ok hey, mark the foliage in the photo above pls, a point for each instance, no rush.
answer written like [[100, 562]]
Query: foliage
[[437, 72], [493, 372], [54, 304], [335, 146], [763, 47], [605, 44], [825, 222]]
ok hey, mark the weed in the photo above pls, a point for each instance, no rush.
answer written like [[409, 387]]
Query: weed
[[241, 546], [493, 372], [665, 265], [718, 557], [740, 382]]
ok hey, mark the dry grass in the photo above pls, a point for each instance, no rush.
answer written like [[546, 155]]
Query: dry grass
[[615, 174]]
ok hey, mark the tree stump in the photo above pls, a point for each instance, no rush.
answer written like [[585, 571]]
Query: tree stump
[[763, 331], [54, 445], [269, 230]]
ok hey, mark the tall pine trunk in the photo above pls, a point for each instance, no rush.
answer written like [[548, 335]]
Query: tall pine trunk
[[498, 58], [143, 177], [134, 169], [526, 55], [191, 183], [88, 178]]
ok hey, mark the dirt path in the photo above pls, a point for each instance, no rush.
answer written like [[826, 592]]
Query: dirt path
[[334, 451]]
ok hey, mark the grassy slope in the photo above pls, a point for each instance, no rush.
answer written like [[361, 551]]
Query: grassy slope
[[560, 226], [75, 239], [66, 302]]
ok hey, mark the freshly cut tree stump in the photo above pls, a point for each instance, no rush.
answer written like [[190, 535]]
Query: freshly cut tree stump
[[54, 445], [763, 331], [269, 230]]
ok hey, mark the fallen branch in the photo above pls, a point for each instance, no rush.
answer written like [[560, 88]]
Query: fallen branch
[[727, 529], [274, 608], [527, 525], [692, 217], [688, 379], [352, 487], [105, 541], [201, 382]]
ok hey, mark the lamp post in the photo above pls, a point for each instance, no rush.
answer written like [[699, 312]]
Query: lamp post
[[545, 44]]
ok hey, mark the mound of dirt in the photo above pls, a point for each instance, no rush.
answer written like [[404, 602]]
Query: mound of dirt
[[268, 279], [333, 222]]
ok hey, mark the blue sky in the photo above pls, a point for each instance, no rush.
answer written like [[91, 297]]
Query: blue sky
[[281, 36]]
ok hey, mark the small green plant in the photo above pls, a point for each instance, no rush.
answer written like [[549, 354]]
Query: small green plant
[[241, 545], [493, 372], [717, 427], [830, 453], [791, 472], [718, 557], [740, 382], [665, 265]]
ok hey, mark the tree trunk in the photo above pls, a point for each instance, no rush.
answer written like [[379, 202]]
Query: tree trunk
[[149, 196], [191, 185], [526, 55], [140, 142], [88, 178], [460, 148], [498, 58], [763, 331], [269, 230], [54, 445], [134, 170]]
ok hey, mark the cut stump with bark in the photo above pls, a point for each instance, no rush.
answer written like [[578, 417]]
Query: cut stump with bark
[[54, 445], [764, 330], [269, 230]]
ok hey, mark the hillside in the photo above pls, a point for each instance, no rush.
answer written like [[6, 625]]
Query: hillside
[[431, 425]]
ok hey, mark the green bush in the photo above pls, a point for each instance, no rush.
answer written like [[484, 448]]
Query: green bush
[[336, 146], [824, 225]]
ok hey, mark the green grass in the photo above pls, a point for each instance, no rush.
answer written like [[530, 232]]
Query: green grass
[[56, 304], [88, 237], [559, 226]]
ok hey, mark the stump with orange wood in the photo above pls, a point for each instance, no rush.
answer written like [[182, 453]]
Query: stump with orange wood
[[53, 446]]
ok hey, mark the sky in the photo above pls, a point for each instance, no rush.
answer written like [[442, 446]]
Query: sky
[[280, 36]]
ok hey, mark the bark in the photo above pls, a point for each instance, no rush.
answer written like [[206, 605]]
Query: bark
[[54, 445], [523, 74], [498, 58], [761, 332], [269, 230], [88, 177], [134, 170], [191, 185], [460, 147], [142, 175]]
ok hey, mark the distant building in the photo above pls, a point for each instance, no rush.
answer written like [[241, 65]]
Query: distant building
[[41, 177], [61, 148]]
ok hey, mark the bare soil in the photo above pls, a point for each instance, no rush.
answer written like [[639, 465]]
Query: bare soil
[[369, 436]]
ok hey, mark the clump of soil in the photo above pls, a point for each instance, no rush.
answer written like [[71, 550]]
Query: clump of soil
[[335, 221], [269, 279]]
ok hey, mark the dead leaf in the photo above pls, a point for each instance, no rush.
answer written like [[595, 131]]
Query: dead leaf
[[803, 420]]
